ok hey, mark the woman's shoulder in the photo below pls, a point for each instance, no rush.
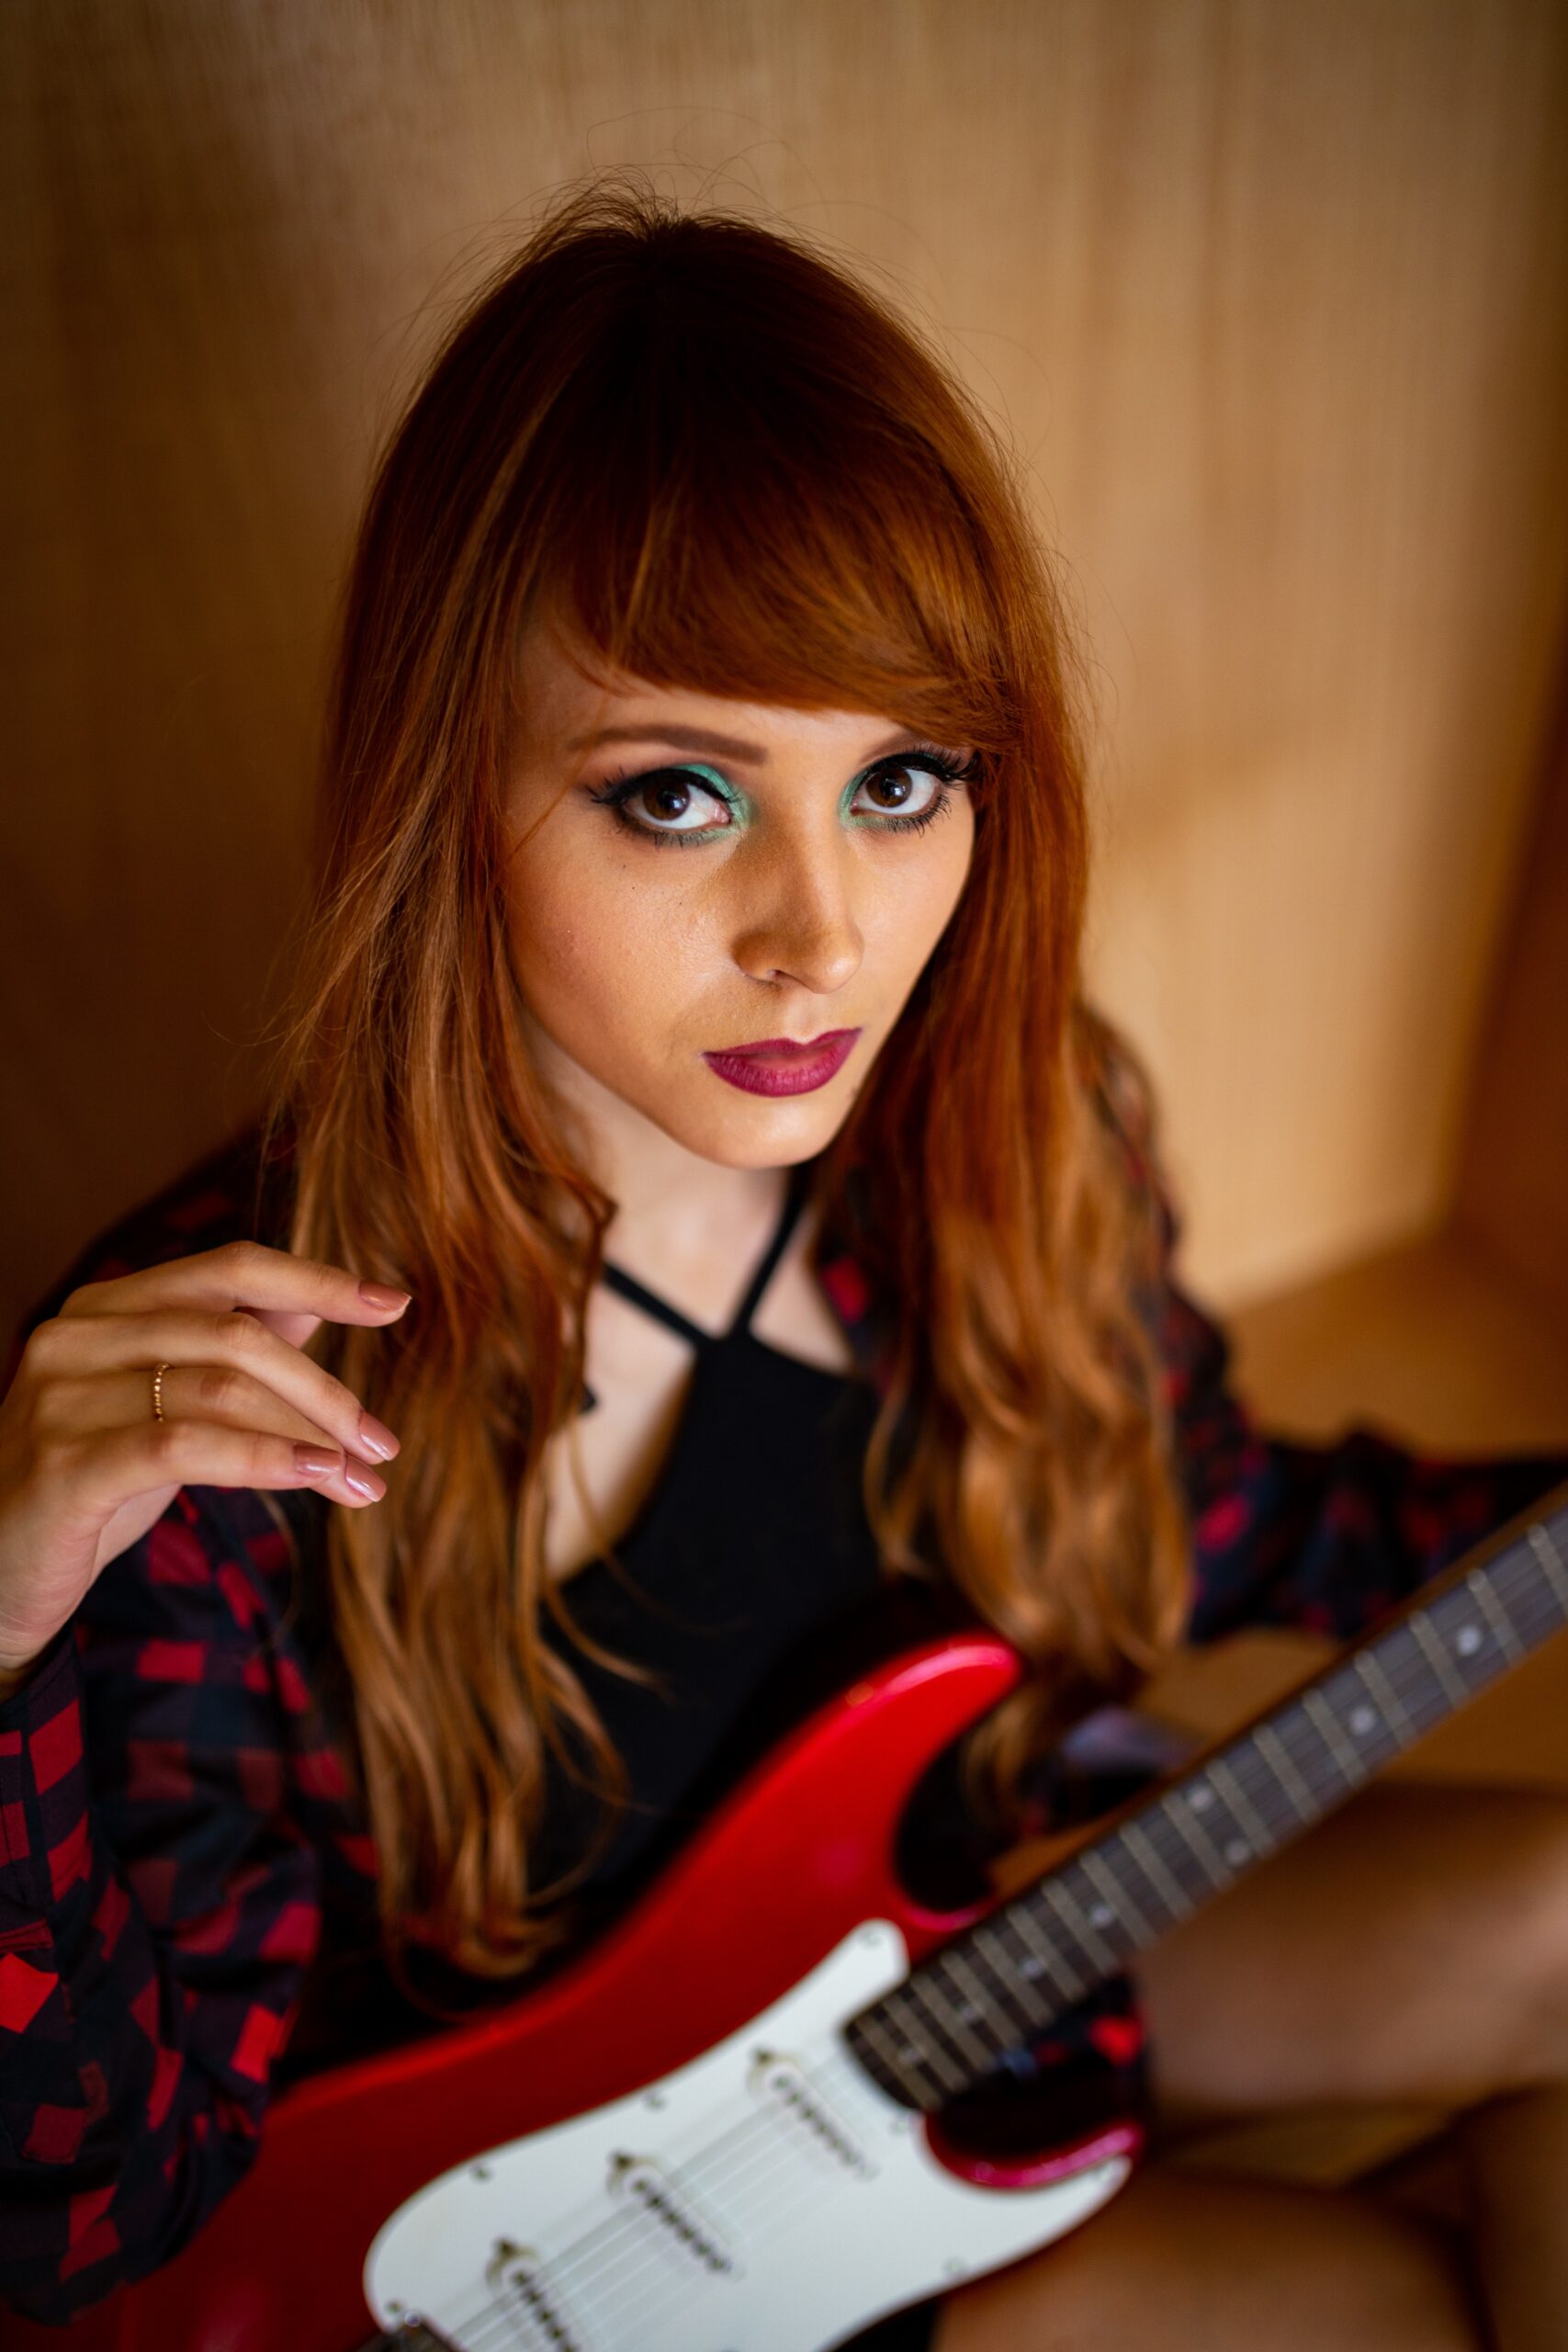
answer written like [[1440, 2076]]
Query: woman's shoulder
[[237, 1191]]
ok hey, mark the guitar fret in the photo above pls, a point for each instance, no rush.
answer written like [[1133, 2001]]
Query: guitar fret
[[1454, 1686], [1272, 1750], [1179, 1811], [1552, 1565], [916, 2084], [1257, 1830], [1384, 1697], [1400, 1659], [990, 2006], [1095, 1871], [1171, 1893], [1327, 1725], [1532, 1605], [952, 2024], [1014, 1974], [1497, 1617], [1067, 1976], [1079, 1926], [900, 2008]]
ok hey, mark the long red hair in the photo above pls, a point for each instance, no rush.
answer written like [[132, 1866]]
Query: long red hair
[[738, 469]]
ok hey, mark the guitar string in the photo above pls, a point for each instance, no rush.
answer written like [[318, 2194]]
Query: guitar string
[[692, 2178], [692, 2173], [642, 2301], [575, 2255]]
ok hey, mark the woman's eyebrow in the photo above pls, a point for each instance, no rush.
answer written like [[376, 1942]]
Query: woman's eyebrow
[[689, 738], [702, 739]]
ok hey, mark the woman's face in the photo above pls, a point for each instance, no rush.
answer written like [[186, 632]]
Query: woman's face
[[747, 887]]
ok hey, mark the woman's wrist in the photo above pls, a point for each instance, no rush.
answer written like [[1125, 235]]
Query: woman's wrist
[[13, 1677]]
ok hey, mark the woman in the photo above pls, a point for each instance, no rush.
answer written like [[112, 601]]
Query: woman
[[701, 694]]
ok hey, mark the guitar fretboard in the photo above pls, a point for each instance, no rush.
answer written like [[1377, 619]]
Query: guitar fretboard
[[1003, 1983]]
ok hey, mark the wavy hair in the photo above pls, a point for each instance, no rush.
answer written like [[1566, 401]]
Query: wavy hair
[[739, 469]]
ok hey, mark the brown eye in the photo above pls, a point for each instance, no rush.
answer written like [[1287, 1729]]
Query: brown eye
[[902, 779]]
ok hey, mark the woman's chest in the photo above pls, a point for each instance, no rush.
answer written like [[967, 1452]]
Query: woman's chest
[[601, 1471]]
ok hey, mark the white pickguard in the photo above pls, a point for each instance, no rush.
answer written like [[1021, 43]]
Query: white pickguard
[[766, 2198]]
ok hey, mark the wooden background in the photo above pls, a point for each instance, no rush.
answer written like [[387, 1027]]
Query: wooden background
[[1273, 298]]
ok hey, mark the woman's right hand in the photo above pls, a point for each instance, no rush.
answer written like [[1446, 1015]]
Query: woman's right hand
[[86, 1467]]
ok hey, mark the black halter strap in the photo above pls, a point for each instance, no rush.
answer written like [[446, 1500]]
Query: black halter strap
[[617, 1279]]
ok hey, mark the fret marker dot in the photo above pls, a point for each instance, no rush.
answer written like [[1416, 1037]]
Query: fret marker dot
[[1102, 1915], [1467, 1641], [1238, 1851], [1200, 1798], [1031, 1967], [1362, 1721]]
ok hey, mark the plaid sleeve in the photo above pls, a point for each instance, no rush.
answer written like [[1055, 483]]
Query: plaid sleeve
[[1326, 1537], [159, 1898], [1322, 1537], [158, 1907]]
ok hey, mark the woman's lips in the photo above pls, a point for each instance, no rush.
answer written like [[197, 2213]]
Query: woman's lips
[[774, 1066]]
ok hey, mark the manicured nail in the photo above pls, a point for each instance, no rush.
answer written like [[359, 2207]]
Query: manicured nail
[[365, 1482], [376, 1438], [378, 1294], [316, 1461]]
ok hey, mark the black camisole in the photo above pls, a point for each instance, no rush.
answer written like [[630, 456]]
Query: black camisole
[[753, 1541]]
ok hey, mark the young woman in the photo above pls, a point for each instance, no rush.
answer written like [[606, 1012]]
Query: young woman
[[690, 1033]]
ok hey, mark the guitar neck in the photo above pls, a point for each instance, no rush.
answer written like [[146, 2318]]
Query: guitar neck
[[1001, 1985]]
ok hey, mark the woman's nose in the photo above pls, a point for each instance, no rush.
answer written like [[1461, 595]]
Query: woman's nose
[[799, 922]]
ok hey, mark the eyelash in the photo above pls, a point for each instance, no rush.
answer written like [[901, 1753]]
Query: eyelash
[[618, 788]]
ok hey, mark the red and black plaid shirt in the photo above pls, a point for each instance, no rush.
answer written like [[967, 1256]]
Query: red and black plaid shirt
[[174, 1819]]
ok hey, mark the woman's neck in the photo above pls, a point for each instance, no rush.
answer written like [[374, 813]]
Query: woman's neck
[[676, 1212]]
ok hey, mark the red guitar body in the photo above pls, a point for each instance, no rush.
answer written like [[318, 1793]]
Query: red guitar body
[[800, 1854]]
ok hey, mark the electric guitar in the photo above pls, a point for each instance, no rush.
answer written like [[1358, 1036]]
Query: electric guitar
[[751, 2118]]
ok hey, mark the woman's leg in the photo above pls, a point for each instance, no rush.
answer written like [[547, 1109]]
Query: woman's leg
[[1181, 2264], [1412, 1950]]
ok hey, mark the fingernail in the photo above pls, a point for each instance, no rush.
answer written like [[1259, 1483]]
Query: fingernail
[[378, 1294], [316, 1461], [376, 1438], [365, 1482]]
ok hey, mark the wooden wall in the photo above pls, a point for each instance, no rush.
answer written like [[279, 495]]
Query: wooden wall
[[1273, 298], [1512, 1196]]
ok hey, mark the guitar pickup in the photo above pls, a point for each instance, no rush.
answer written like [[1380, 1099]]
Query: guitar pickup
[[782, 2085], [672, 2214]]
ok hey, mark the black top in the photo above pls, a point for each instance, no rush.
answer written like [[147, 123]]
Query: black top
[[749, 1581], [754, 1538]]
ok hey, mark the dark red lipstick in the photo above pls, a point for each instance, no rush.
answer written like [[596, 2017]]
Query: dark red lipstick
[[784, 1065]]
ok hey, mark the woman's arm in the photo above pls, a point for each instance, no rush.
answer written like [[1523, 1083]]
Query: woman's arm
[[158, 1908], [1324, 1537]]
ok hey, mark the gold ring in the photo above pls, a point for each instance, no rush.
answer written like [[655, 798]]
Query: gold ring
[[158, 1392]]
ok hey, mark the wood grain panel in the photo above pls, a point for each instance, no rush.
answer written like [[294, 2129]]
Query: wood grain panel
[[1513, 1188], [1271, 300]]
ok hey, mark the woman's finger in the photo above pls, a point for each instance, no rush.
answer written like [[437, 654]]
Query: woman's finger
[[70, 1349], [245, 1274], [222, 1394]]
